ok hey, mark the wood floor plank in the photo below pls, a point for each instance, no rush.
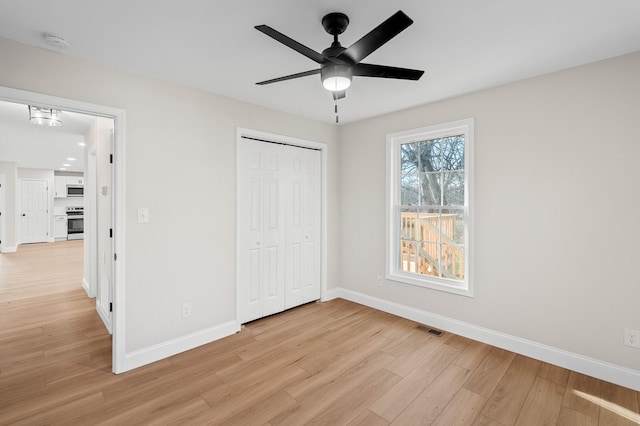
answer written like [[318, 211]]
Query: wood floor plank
[[327, 395], [507, 400], [407, 361], [352, 404], [412, 340], [368, 418], [490, 371], [260, 413], [569, 417], [472, 355], [554, 374], [619, 406], [392, 403], [433, 400], [463, 409], [543, 403], [342, 366], [486, 421], [238, 399], [66, 413], [578, 387]]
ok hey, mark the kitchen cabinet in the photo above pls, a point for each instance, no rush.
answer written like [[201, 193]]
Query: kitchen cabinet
[[61, 227], [75, 180], [61, 186]]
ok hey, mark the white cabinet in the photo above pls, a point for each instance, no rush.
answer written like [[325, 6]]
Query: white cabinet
[[61, 227], [75, 180], [61, 186]]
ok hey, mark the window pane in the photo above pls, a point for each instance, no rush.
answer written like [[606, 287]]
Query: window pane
[[430, 156], [409, 158], [408, 224], [453, 262], [453, 153], [429, 259], [429, 229], [408, 255], [410, 190], [430, 186], [453, 226], [453, 184]]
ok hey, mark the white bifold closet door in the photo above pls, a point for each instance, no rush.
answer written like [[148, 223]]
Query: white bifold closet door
[[279, 213]]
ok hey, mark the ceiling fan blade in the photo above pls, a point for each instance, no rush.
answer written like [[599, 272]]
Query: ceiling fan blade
[[289, 77], [339, 95], [376, 37], [383, 71], [289, 42]]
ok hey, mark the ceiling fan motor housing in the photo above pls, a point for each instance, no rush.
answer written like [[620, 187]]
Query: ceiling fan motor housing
[[335, 23]]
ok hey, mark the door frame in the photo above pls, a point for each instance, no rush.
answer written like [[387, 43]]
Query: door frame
[[118, 364], [287, 140]]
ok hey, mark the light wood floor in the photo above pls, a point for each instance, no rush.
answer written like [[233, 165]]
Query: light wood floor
[[334, 363]]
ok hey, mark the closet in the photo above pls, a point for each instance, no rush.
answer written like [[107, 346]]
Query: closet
[[278, 228]]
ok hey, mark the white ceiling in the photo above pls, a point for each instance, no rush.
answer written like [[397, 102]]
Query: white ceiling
[[41, 147], [464, 45]]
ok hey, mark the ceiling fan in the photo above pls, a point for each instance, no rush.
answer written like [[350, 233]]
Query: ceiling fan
[[338, 65]]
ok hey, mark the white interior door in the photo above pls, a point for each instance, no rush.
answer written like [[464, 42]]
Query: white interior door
[[312, 229], [104, 293], [278, 231], [34, 215], [274, 175], [303, 230]]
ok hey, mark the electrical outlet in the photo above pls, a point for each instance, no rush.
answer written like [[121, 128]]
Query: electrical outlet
[[379, 280], [186, 310], [632, 338]]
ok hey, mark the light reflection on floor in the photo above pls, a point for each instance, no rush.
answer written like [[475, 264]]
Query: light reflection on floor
[[614, 408]]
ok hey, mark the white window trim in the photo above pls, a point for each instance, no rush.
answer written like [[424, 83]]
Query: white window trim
[[394, 140]]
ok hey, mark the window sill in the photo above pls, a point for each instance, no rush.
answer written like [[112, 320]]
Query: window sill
[[432, 283]]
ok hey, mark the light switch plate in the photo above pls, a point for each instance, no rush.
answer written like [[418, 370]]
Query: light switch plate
[[143, 215]]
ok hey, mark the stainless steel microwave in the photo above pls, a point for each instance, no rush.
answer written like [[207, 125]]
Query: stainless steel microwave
[[75, 191]]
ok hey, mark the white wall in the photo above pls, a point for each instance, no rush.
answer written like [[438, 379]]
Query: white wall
[[9, 239], [556, 190], [180, 163]]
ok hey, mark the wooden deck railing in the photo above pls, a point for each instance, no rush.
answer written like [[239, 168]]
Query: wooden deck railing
[[420, 248]]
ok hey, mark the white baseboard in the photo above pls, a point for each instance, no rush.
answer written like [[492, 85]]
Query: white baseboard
[[104, 316], [11, 249], [181, 344], [85, 286], [592, 367]]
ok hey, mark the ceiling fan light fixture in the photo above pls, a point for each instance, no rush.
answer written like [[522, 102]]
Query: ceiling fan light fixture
[[336, 77], [44, 116]]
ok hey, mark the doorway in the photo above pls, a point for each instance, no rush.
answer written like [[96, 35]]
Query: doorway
[[114, 194]]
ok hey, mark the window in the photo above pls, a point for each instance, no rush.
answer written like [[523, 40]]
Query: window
[[429, 193]]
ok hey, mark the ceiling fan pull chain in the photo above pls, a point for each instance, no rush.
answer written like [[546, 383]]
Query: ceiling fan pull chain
[[336, 110]]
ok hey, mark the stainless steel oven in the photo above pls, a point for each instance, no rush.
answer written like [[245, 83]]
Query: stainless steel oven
[[75, 223]]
